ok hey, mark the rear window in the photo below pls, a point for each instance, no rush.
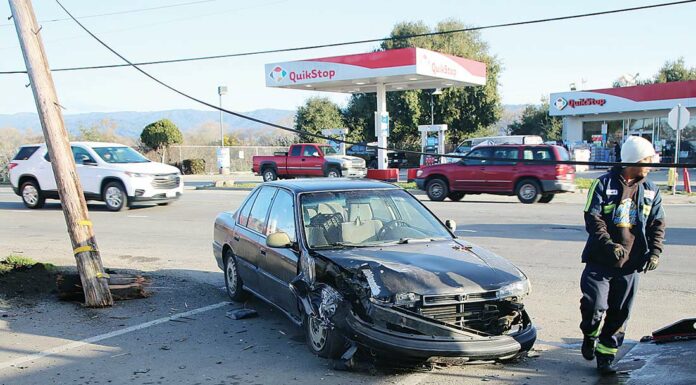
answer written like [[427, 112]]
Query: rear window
[[537, 153], [25, 152], [562, 153]]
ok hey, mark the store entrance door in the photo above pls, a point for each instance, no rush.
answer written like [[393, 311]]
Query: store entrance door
[[644, 128]]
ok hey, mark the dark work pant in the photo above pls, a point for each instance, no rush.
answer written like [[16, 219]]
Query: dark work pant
[[606, 292]]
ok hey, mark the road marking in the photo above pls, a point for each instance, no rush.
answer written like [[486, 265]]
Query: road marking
[[465, 231], [115, 333]]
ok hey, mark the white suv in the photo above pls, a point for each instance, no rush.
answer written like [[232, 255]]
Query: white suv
[[109, 172]]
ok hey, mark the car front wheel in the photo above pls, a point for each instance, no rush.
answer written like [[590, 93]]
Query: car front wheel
[[322, 340], [528, 191], [546, 198], [115, 197], [31, 195], [436, 190], [333, 173], [456, 196]]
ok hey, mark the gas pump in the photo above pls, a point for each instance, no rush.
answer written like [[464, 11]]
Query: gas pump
[[341, 133], [432, 142]]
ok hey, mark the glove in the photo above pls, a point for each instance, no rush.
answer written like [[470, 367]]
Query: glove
[[652, 263], [617, 251]]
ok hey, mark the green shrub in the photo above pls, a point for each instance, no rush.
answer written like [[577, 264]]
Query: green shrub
[[193, 166]]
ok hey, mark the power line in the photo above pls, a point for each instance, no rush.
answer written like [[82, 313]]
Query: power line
[[120, 12], [299, 132], [374, 40]]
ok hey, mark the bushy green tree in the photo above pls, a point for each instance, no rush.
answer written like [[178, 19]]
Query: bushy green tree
[[535, 120], [675, 71], [465, 110], [160, 135], [318, 113]]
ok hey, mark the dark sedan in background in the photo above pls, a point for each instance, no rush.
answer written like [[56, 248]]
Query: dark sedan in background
[[363, 264]]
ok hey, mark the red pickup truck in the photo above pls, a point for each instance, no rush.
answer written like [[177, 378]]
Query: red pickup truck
[[308, 159], [509, 174]]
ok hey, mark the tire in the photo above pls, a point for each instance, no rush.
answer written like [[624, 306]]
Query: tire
[[437, 190], [31, 194], [546, 198], [233, 282], [333, 173], [455, 196], [115, 197], [163, 203], [323, 342], [528, 191], [269, 175]]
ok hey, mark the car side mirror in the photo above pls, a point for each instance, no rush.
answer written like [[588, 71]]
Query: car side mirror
[[316, 155], [451, 225], [279, 240], [88, 162]]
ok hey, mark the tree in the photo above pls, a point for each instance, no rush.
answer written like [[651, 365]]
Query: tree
[[104, 131], [466, 111], [675, 71], [535, 120], [317, 114], [160, 135]]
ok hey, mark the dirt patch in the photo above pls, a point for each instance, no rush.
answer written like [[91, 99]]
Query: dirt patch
[[28, 281]]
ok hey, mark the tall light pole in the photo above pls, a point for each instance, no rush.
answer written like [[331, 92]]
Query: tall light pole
[[437, 91], [222, 90]]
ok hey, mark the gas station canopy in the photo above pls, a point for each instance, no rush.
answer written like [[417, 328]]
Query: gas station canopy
[[397, 70]]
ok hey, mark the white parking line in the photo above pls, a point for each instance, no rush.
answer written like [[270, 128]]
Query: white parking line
[[465, 231], [115, 333]]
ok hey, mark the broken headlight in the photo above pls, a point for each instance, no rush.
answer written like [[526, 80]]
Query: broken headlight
[[406, 299], [518, 289]]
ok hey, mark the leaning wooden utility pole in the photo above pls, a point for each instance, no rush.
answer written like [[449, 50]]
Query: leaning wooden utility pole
[[89, 265]]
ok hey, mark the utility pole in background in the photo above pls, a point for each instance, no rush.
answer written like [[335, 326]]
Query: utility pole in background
[[89, 264]]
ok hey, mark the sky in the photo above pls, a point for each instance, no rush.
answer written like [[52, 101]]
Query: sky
[[537, 59]]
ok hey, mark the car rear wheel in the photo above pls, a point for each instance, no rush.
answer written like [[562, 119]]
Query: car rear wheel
[[233, 282], [114, 196], [333, 173], [436, 189], [456, 196], [528, 191], [269, 175], [546, 198], [322, 340], [31, 195]]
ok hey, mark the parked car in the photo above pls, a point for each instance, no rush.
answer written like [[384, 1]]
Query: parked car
[[468, 144], [369, 154], [109, 172], [511, 175], [366, 262], [308, 159]]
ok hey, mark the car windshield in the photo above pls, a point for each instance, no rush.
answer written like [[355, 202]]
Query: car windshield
[[121, 154], [328, 150], [363, 218]]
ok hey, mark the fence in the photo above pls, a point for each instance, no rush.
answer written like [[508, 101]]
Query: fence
[[240, 156]]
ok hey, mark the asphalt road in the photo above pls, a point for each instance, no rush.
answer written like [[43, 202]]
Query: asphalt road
[[180, 335]]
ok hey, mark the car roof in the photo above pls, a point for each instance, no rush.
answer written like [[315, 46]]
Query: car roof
[[333, 184], [516, 145]]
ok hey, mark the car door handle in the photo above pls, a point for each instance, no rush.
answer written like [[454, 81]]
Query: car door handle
[[236, 238], [303, 159], [262, 251]]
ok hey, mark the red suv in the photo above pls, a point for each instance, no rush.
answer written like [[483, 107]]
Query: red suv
[[531, 182]]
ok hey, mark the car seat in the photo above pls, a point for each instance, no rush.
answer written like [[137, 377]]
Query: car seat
[[361, 226]]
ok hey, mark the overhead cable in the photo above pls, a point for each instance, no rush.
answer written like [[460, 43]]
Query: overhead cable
[[300, 132], [374, 40]]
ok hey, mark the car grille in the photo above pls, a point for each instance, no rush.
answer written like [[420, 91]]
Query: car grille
[[474, 315], [430, 300], [359, 163], [166, 181]]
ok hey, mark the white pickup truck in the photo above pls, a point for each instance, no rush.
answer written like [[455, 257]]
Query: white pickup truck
[[109, 172]]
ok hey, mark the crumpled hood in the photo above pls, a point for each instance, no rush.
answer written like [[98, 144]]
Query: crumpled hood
[[145, 168], [439, 267]]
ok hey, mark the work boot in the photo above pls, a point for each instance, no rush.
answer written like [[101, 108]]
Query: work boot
[[605, 365], [588, 348]]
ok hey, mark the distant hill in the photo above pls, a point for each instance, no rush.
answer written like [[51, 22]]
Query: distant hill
[[131, 123]]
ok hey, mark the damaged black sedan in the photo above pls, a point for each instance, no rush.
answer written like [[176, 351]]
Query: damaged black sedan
[[365, 264]]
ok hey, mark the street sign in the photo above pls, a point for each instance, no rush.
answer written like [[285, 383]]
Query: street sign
[[678, 117]]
